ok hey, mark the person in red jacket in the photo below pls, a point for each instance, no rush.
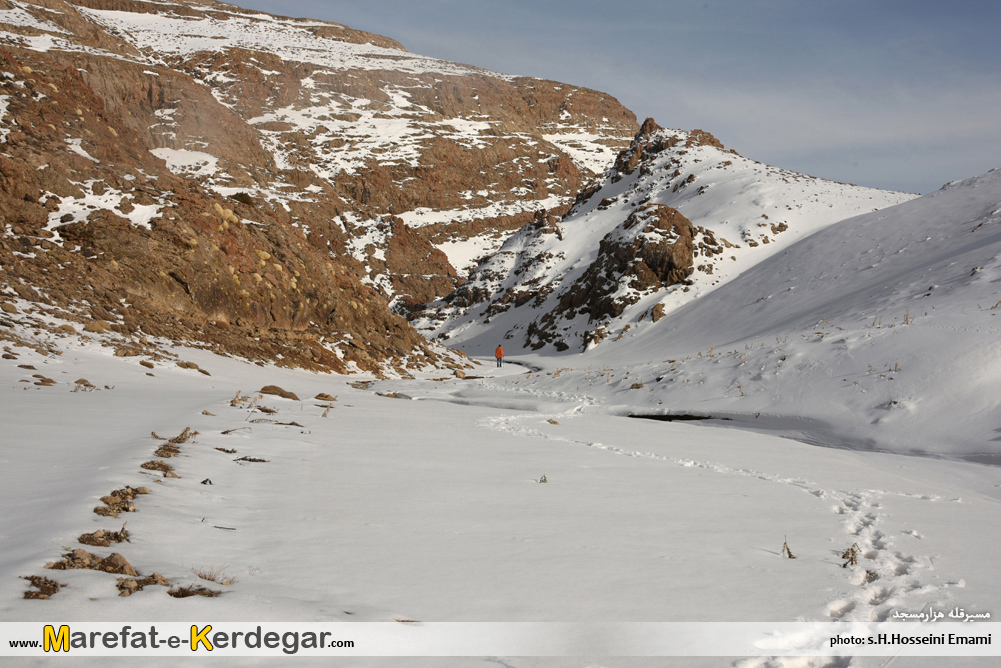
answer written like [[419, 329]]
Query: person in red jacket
[[499, 354]]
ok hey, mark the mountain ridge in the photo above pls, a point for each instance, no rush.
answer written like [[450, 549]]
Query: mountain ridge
[[572, 282], [270, 185]]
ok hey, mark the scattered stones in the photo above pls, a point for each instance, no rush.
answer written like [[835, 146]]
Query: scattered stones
[[9, 356], [159, 465], [277, 391], [66, 329], [102, 538], [146, 363], [459, 373], [167, 450], [119, 501], [7, 307], [187, 365], [323, 396], [45, 587], [183, 437], [97, 327], [82, 559], [26, 366], [129, 586]]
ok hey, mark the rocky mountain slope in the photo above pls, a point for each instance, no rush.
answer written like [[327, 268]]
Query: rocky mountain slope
[[677, 216], [267, 184]]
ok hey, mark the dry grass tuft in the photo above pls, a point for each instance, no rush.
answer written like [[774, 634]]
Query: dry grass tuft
[[851, 555], [213, 574], [786, 552]]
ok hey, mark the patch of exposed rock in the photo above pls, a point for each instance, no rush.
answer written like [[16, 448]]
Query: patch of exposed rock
[[655, 247]]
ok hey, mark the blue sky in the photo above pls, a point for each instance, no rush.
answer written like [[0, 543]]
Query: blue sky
[[899, 95]]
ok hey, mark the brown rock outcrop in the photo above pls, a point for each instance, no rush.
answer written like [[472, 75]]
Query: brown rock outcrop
[[172, 191]]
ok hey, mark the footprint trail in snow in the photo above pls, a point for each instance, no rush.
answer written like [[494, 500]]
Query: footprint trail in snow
[[888, 577]]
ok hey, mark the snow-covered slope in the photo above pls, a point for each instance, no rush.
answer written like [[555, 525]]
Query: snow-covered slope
[[878, 332], [572, 282], [423, 504]]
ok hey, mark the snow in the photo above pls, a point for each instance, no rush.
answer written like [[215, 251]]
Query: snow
[[109, 199], [463, 254], [172, 35], [850, 367], [20, 16], [595, 151], [45, 42], [75, 147], [423, 216], [870, 334], [4, 131], [188, 163], [427, 506]]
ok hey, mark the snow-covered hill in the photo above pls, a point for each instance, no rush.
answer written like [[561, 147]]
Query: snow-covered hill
[[614, 263], [878, 332]]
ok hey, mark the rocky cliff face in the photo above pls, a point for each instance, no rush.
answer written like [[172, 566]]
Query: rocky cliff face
[[677, 216], [200, 171]]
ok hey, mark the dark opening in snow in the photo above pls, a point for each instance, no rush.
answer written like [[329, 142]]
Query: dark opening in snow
[[679, 417]]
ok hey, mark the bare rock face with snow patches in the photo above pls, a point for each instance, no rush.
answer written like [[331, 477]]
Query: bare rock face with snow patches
[[654, 248], [676, 216], [272, 185]]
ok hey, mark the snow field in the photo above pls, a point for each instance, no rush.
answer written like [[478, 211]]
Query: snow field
[[427, 506]]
